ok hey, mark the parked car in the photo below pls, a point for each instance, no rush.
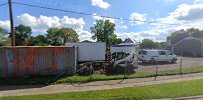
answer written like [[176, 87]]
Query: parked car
[[156, 55]]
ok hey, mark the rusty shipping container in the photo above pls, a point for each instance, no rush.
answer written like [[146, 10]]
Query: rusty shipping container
[[37, 61]]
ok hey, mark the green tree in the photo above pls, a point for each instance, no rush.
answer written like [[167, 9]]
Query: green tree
[[23, 33], [114, 40], [39, 40], [192, 32], [59, 36], [4, 40], [162, 45], [148, 44], [102, 31], [174, 34], [195, 32], [86, 41]]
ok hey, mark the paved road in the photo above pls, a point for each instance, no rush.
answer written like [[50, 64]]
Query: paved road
[[101, 85]]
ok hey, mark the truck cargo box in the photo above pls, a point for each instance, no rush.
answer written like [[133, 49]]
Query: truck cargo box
[[90, 51]]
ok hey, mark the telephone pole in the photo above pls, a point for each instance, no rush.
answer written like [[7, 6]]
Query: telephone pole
[[12, 23]]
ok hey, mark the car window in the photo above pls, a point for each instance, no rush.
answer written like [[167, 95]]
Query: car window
[[169, 53], [162, 53], [144, 52]]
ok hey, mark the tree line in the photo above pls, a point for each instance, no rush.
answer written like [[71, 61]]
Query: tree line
[[102, 31], [149, 44]]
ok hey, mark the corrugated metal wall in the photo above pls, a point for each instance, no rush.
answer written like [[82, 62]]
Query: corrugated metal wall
[[19, 61]]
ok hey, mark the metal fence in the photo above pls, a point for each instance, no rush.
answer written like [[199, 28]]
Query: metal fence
[[37, 61], [184, 65]]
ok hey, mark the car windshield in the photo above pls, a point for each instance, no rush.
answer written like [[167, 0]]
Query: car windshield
[[169, 53]]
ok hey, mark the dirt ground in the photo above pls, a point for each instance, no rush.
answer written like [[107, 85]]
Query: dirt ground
[[187, 62]]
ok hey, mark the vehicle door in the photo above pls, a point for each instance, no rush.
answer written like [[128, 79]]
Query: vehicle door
[[163, 56], [170, 56]]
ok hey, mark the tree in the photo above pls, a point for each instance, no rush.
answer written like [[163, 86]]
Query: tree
[[86, 41], [148, 44], [114, 40], [195, 32], [59, 36], [23, 33], [102, 31], [162, 45], [4, 40], [39, 40], [191, 32]]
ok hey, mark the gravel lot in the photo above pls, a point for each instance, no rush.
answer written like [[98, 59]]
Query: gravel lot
[[187, 62]]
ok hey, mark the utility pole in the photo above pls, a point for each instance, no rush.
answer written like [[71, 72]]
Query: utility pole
[[12, 23]]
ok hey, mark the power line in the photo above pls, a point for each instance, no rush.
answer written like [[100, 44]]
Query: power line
[[3, 4], [89, 14]]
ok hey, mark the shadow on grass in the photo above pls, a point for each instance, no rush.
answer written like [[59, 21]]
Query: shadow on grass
[[37, 82], [159, 63]]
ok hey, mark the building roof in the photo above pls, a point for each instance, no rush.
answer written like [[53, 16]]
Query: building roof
[[130, 40]]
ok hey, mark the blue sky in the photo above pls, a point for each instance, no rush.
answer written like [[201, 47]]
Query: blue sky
[[185, 13]]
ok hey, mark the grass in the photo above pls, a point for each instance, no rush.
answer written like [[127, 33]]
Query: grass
[[170, 90], [196, 69], [83, 79]]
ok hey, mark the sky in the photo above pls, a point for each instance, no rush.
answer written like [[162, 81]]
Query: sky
[[147, 19]]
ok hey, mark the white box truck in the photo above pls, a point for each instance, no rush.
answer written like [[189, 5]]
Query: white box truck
[[87, 52], [92, 57]]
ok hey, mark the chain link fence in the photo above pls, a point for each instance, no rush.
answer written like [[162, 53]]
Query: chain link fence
[[103, 71]]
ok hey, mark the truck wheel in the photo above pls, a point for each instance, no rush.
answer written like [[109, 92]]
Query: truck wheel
[[152, 61], [143, 61], [173, 60]]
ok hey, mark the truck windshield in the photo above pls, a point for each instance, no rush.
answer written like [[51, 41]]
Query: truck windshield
[[120, 55], [143, 52]]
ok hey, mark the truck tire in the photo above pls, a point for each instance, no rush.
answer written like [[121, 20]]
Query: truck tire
[[152, 61], [173, 61]]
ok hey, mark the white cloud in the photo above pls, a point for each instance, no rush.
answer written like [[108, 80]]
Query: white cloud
[[72, 22], [84, 35], [198, 1], [101, 4], [119, 23], [42, 23], [153, 34], [183, 17], [124, 27], [188, 12], [5, 24], [95, 16], [169, 0], [137, 18]]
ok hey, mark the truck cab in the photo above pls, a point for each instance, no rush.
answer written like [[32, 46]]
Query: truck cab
[[122, 53], [156, 55]]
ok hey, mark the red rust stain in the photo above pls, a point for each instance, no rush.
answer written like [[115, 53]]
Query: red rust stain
[[25, 59]]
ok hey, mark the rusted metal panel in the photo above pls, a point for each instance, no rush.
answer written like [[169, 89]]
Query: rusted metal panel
[[20, 61]]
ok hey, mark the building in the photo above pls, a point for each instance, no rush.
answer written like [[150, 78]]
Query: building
[[129, 40], [186, 45]]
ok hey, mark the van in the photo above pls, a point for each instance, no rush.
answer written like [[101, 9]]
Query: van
[[156, 55]]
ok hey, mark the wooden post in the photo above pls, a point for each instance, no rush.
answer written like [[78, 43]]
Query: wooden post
[[12, 23]]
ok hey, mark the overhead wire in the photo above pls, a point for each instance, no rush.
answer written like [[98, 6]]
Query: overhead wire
[[3, 4], [90, 14]]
